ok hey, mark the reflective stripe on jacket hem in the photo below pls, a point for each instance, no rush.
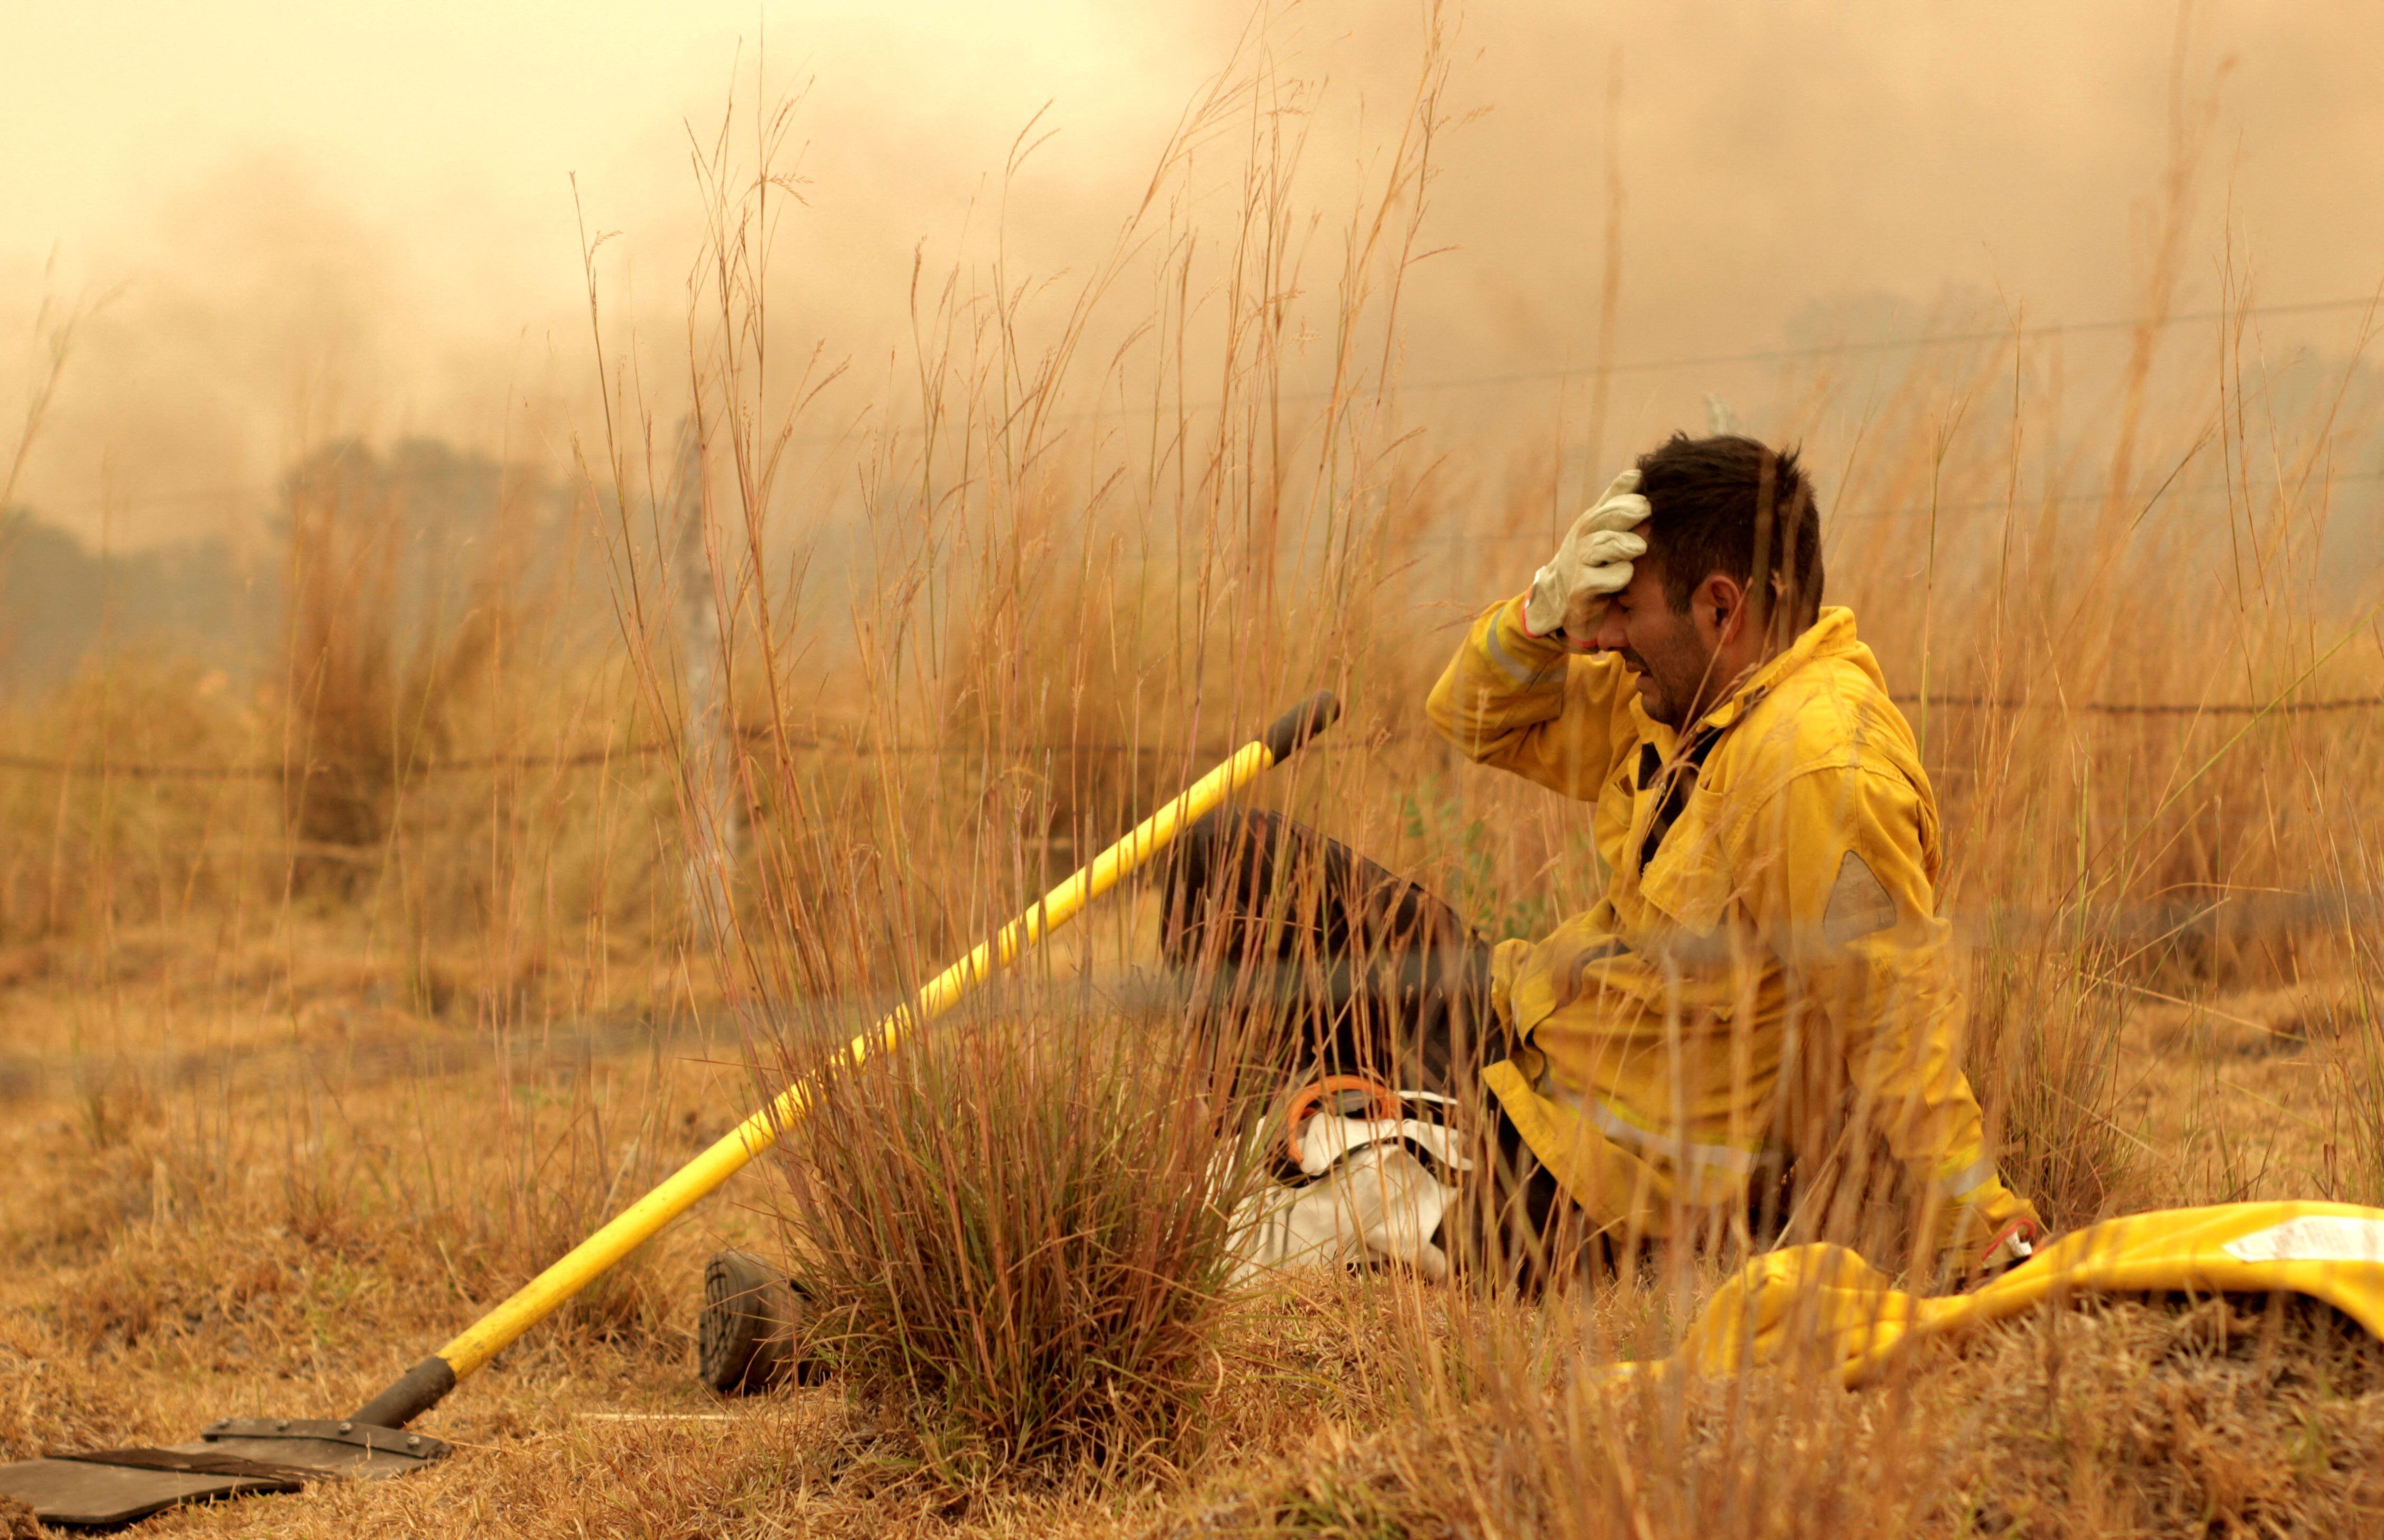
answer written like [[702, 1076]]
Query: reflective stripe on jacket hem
[[1606, 1121]]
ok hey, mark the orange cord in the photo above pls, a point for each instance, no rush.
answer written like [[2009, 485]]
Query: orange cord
[[1384, 1101]]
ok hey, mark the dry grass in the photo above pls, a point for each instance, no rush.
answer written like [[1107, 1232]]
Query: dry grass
[[259, 1219], [300, 1069], [1013, 1235], [2217, 1417]]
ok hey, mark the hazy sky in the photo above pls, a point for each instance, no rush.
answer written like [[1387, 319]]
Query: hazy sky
[[318, 218]]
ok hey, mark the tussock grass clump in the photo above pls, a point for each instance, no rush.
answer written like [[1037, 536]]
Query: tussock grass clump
[[1016, 1233]]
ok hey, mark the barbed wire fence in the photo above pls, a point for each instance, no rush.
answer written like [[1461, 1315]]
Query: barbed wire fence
[[862, 746]]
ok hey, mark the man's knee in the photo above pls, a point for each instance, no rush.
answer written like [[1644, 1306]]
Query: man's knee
[[1214, 884]]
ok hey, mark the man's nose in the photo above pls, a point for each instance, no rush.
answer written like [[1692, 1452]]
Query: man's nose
[[1612, 635]]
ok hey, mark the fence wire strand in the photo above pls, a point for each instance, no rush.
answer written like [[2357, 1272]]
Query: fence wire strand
[[599, 757]]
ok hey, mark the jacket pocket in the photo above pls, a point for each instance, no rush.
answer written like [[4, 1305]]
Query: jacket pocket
[[1688, 879]]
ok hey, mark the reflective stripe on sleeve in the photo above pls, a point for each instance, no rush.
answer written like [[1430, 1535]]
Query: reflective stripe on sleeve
[[1509, 664], [1969, 1179]]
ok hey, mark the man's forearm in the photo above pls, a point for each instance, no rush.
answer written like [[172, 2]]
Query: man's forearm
[[1501, 682], [1525, 704]]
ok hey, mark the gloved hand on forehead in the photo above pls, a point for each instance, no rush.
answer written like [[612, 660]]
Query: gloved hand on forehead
[[1570, 594]]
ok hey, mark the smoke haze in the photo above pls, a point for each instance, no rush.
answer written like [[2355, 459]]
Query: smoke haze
[[292, 225]]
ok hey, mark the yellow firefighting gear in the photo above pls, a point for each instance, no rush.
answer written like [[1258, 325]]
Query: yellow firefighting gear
[[1767, 974], [1826, 1307]]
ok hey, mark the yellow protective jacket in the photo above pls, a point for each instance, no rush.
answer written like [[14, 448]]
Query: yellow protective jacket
[[1767, 972]]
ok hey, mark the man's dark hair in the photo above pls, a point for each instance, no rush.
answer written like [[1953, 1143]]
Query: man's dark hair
[[1731, 505]]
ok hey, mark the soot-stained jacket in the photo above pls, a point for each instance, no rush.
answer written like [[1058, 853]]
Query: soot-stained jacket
[[1766, 972]]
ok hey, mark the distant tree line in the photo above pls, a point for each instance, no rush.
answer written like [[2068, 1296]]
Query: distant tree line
[[62, 602], [440, 522]]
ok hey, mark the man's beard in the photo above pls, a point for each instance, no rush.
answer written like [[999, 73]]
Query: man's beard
[[1663, 703], [1656, 703]]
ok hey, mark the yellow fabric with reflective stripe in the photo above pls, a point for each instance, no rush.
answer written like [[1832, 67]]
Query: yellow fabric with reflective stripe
[[1627, 1179], [1824, 1308]]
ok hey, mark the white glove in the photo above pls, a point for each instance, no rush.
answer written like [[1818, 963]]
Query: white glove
[[1570, 593]]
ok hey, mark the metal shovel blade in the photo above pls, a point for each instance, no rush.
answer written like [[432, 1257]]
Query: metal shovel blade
[[237, 1456]]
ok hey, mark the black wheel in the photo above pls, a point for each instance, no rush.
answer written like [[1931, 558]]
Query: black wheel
[[749, 1338]]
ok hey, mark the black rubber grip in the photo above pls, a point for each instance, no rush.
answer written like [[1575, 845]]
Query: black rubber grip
[[1301, 723], [408, 1395]]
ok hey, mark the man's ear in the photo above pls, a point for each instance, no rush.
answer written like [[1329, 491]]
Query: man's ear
[[1718, 608]]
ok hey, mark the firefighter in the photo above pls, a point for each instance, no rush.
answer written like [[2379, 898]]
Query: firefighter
[[1766, 981]]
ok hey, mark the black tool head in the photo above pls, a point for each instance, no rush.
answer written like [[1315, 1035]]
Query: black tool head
[[236, 1458]]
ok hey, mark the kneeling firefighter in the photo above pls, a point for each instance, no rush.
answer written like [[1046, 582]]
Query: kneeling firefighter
[[1764, 993]]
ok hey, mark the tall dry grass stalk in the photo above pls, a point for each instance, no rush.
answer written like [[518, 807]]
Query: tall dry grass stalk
[[57, 328]]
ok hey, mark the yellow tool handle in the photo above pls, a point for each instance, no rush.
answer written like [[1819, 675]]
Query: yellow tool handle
[[422, 1386]]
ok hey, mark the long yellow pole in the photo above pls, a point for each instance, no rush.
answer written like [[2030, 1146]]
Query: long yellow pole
[[422, 1386]]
